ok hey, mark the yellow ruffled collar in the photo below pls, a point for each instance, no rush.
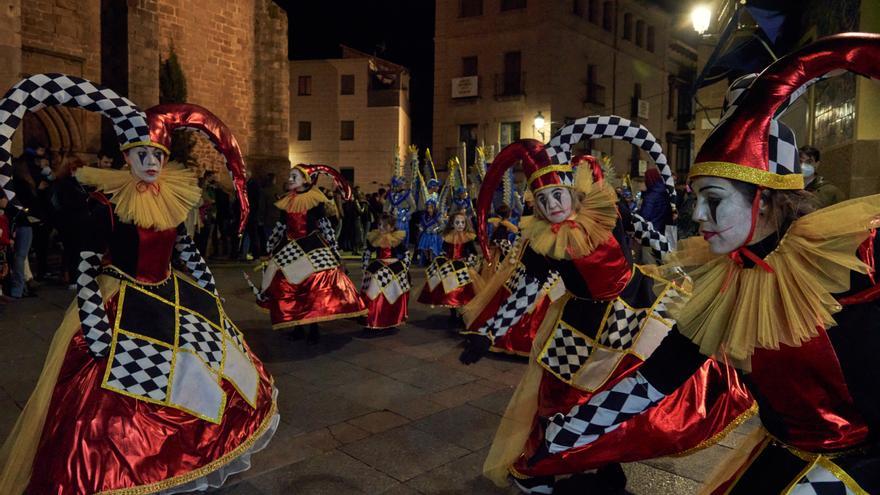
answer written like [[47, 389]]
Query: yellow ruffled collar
[[385, 240], [581, 234], [160, 206], [301, 202], [735, 310], [459, 237], [506, 223]]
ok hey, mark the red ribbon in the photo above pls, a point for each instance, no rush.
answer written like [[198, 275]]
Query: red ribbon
[[146, 186], [737, 254], [556, 226]]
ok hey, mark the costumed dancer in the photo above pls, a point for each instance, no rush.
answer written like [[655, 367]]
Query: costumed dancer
[[400, 203], [611, 319], [789, 297], [304, 282], [148, 386], [386, 283], [452, 277], [430, 243]]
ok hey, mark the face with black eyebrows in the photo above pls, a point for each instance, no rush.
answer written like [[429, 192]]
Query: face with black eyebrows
[[145, 162], [723, 212], [296, 182], [554, 203], [459, 223]]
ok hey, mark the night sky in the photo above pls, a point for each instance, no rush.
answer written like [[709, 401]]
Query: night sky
[[317, 28]]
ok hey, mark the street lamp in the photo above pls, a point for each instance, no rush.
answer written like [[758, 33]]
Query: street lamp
[[701, 16], [539, 124]]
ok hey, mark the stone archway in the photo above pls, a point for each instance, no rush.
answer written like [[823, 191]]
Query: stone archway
[[56, 128]]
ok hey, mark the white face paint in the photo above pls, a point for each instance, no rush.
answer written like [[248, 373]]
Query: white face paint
[[296, 181], [145, 162], [724, 214], [459, 223], [554, 203]]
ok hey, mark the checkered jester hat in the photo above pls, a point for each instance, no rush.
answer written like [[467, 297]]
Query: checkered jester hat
[[44, 90], [748, 144]]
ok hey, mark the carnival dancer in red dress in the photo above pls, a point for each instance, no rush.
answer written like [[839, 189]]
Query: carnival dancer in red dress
[[786, 295], [148, 386], [452, 278], [386, 283], [610, 320], [304, 281]]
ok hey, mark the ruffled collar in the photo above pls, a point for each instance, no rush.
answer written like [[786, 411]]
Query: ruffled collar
[[505, 223], [385, 240], [301, 202], [737, 308], [161, 205], [581, 234], [455, 237]]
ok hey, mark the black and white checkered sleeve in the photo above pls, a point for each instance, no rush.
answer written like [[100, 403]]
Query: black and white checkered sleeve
[[276, 236], [365, 259], [472, 260], [649, 237], [514, 307], [407, 259], [328, 233], [604, 413], [192, 259], [95, 324]]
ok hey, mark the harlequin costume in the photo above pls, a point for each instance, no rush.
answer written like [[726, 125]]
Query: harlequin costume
[[612, 317], [304, 281], [148, 386], [430, 226], [452, 278], [386, 283], [796, 312]]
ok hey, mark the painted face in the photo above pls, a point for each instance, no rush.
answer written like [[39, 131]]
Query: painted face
[[554, 203], [459, 223], [296, 181], [430, 210], [145, 162], [724, 214]]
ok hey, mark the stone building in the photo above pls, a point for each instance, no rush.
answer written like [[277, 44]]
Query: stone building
[[350, 112], [499, 63], [233, 55]]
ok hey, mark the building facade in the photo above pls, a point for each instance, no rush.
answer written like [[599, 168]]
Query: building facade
[[233, 55], [350, 112], [499, 63]]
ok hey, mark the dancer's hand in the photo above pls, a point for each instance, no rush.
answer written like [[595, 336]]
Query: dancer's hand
[[476, 346]]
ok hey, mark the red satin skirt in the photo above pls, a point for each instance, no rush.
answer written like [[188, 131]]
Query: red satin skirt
[[454, 299], [323, 296], [95, 440], [518, 340], [700, 412], [382, 314]]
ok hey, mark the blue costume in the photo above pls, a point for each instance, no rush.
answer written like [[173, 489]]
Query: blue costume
[[430, 227], [400, 205]]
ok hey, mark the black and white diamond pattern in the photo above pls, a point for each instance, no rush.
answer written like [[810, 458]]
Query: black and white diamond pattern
[[197, 335], [41, 90], [276, 236], [622, 325], [327, 232], [95, 325], [649, 237], [140, 368], [566, 353], [322, 259], [514, 307], [233, 333], [462, 277], [516, 278], [820, 481], [603, 413], [445, 269], [288, 254], [194, 262], [783, 151], [614, 127], [534, 486]]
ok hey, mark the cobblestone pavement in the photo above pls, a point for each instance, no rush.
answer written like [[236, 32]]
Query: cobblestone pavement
[[392, 415]]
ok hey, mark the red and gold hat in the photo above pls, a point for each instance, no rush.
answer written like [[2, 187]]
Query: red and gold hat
[[313, 170], [740, 147]]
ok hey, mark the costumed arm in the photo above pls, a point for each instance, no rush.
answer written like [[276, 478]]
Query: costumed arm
[[192, 259], [649, 237], [96, 327], [276, 236], [669, 367], [365, 258]]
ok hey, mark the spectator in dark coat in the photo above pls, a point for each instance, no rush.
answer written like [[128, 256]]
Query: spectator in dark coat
[[655, 202]]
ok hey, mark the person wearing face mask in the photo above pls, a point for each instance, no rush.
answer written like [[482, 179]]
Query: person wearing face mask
[[824, 192], [386, 283], [148, 386], [452, 278], [609, 319], [303, 281], [787, 295]]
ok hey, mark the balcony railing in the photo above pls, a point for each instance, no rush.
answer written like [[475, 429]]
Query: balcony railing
[[509, 84]]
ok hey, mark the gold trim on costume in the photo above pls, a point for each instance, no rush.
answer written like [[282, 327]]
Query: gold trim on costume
[[318, 319], [751, 175], [548, 169], [128, 146], [742, 418]]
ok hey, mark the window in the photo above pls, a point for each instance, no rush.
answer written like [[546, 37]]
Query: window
[[577, 8], [470, 8], [304, 86], [628, 26], [346, 84], [304, 132], [608, 16], [347, 173], [468, 66], [640, 33], [512, 4], [593, 12], [512, 78], [509, 133], [346, 130], [467, 133], [651, 40], [595, 92]]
